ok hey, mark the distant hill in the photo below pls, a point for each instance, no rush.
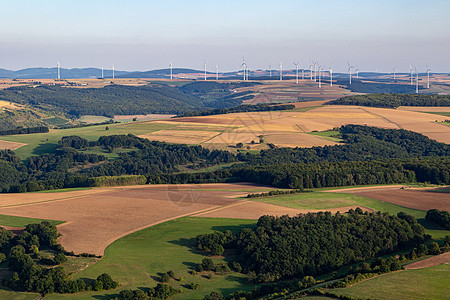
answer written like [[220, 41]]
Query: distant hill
[[108, 101], [51, 73], [162, 73]]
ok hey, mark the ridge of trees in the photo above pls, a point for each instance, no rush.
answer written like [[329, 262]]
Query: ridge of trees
[[393, 100], [238, 109]]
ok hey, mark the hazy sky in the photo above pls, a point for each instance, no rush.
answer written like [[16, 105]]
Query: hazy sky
[[142, 35]]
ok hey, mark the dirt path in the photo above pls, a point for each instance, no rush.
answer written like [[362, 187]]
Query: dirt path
[[440, 259]]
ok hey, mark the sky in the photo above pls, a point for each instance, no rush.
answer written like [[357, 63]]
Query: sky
[[143, 35]]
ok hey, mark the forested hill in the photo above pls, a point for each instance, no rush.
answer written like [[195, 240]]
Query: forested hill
[[393, 100], [108, 101]]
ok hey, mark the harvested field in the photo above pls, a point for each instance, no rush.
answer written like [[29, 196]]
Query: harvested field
[[411, 198], [95, 218], [142, 117], [180, 136], [295, 139], [10, 145], [254, 210], [436, 260], [425, 108]]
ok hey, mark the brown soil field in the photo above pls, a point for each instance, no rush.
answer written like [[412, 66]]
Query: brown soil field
[[181, 136], [411, 198], [425, 108], [255, 209], [95, 218], [440, 259], [143, 117], [295, 139], [10, 145]]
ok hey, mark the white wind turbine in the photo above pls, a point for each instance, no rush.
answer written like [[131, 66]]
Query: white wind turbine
[[102, 73], [417, 81], [296, 71], [393, 71], [428, 77], [315, 71], [281, 71], [113, 71], [59, 73], [350, 71], [270, 70], [331, 74], [171, 74], [310, 71], [244, 64], [320, 83], [411, 72], [217, 72], [204, 67]]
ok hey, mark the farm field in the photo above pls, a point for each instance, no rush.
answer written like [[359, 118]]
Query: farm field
[[95, 218], [428, 283]]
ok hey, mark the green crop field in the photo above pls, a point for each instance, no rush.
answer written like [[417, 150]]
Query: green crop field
[[428, 283], [14, 221], [40, 143], [136, 259]]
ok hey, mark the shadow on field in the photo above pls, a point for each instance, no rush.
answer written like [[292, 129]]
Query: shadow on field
[[44, 148]]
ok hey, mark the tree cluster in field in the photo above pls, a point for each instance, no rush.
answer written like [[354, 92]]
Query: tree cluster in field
[[393, 100], [111, 121], [276, 193], [314, 244], [22, 130], [22, 257], [160, 291], [440, 217], [239, 109]]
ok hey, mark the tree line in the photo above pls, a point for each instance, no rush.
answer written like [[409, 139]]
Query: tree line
[[238, 109], [22, 130], [393, 100]]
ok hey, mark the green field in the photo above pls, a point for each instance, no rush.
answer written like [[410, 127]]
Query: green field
[[135, 260], [331, 135], [428, 283], [40, 143], [14, 221]]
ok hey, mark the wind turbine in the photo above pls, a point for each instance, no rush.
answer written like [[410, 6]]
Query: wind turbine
[[102, 73], [270, 70], [428, 77], [417, 82], [411, 71], [244, 64], [59, 74], [296, 71], [113, 71], [217, 72], [357, 73], [315, 71], [331, 74], [303, 73], [350, 71], [281, 71], [310, 70], [320, 83], [204, 66], [393, 70], [171, 71]]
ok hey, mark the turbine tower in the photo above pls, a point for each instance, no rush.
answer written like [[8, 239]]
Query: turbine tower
[[204, 66], [350, 71], [270, 70], [428, 77], [113, 71], [320, 84], [281, 71], [171, 74], [331, 74], [315, 71], [310, 70], [393, 71], [296, 71], [411, 72], [217, 72], [102, 73], [417, 82], [357, 73], [59, 74]]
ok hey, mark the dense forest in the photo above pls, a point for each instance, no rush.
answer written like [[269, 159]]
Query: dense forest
[[359, 86], [21, 130], [368, 155], [314, 244], [238, 109], [393, 100]]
